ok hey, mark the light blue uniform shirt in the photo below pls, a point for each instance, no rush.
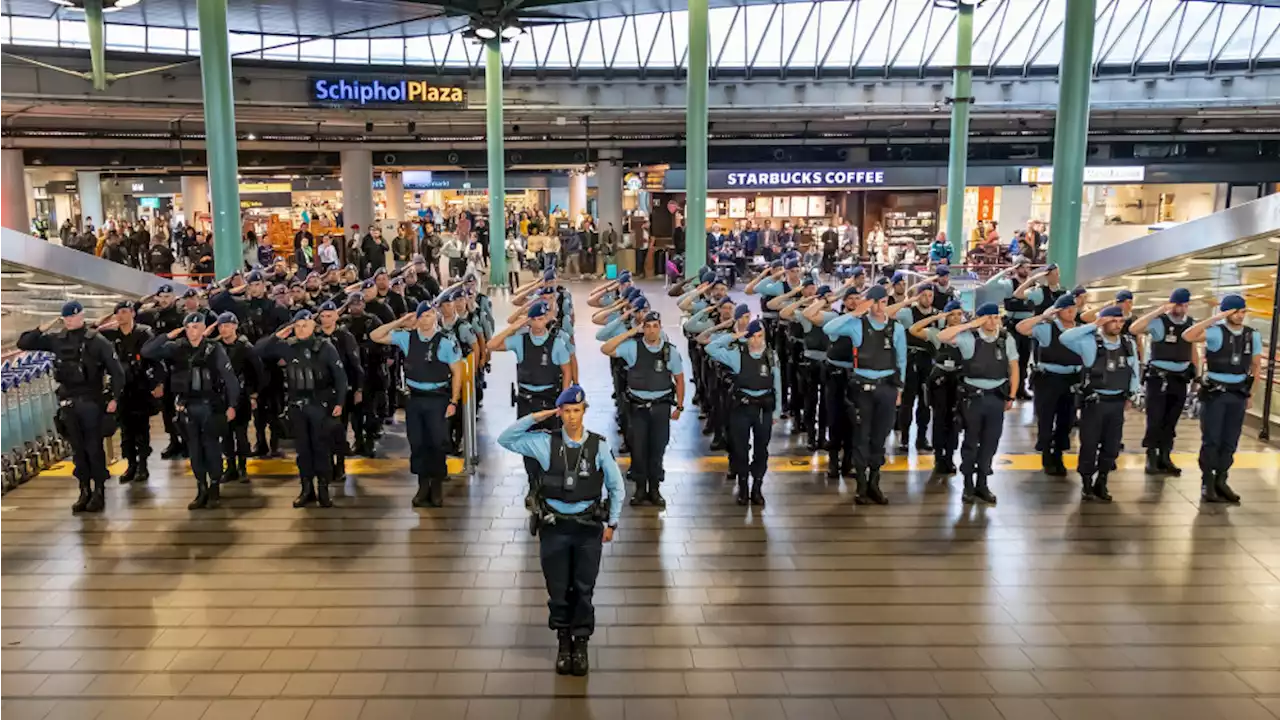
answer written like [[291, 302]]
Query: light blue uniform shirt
[[732, 358], [850, 326], [537, 445], [906, 319], [701, 321], [560, 354], [462, 328], [827, 316], [967, 343], [1156, 330], [696, 305], [1036, 294], [1041, 334], [447, 353], [1213, 343], [608, 298], [1001, 289], [769, 289], [611, 329], [627, 353], [1082, 341]]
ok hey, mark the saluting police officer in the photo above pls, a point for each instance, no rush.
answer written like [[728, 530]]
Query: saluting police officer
[[920, 356], [943, 386], [82, 358], [654, 387], [1233, 356], [206, 392], [810, 368], [1110, 361], [776, 280], [363, 415], [317, 388], [756, 403], [349, 353], [838, 364], [433, 371], [989, 362], [252, 376], [144, 385], [1016, 309], [874, 388], [576, 509], [1054, 378], [160, 313], [1170, 370], [720, 377]]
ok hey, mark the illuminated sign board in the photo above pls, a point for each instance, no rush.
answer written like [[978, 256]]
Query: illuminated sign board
[[803, 178], [391, 91], [1104, 175]]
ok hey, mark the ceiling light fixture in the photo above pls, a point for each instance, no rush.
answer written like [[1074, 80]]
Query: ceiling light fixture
[[486, 33], [511, 32], [1237, 288], [1157, 275], [1227, 259]]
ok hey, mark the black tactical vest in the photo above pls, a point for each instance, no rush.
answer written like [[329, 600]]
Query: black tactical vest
[[941, 296], [306, 373], [1111, 369], [989, 361], [1172, 348], [841, 349], [764, 300], [913, 342], [754, 373], [877, 351], [1050, 297], [74, 370], [422, 363], [652, 370], [1055, 353], [1235, 356], [538, 368], [1018, 305], [816, 339], [193, 376], [947, 359], [573, 474]]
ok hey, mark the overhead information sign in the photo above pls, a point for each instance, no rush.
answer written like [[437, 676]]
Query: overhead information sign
[[351, 91]]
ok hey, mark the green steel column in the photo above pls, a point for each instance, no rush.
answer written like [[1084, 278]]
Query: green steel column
[[220, 136], [1071, 137], [695, 137], [497, 166], [961, 91], [97, 43]]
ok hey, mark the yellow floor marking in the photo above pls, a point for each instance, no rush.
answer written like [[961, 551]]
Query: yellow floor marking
[[720, 463]]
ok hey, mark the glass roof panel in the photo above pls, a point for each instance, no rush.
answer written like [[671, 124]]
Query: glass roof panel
[[835, 16], [872, 27], [1235, 35], [593, 50], [1122, 33], [728, 42], [1019, 29], [628, 55], [762, 43], [662, 53], [610, 37], [543, 41], [796, 20], [575, 35], [680, 36]]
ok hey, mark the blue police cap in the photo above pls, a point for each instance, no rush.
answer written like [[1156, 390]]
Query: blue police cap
[[652, 316], [952, 306], [71, 307], [538, 309], [876, 292], [126, 305], [741, 310], [1064, 302], [366, 284], [548, 291], [1111, 311], [624, 276], [355, 297], [807, 281], [926, 286], [1232, 302], [857, 271], [380, 271], [254, 276], [1078, 290], [824, 290], [754, 327], [631, 293], [898, 277], [572, 395], [1124, 295], [328, 306], [987, 309], [640, 303], [720, 281], [549, 274], [1180, 296], [776, 264], [1050, 267], [193, 318], [227, 318], [791, 264], [166, 288], [942, 271], [882, 281], [190, 293], [727, 301], [300, 315], [470, 278], [424, 306]]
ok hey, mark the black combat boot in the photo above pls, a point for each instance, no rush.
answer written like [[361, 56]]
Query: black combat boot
[[260, 447], [655, 497], [564, 661], [214, 497], [143, 473], [307, 496], [202, 495], [230, 474], [757, 492], [1154, 465], [1086, 487], [717, 444], [860, 496], [422, 498], [579, 658], [922, 442], [436, 494], [873, 488], [97, 499], [1224, 490], [983, 493], [1209, 488], [173, 450], [1166, 461], [242, 469], [833, 466], [744, 495], [82, 503], [1100, 489], [322, 494], [641, 495], [967, 495], [129, 473]]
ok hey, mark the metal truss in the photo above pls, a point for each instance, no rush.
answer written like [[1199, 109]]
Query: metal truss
[[857, 38]]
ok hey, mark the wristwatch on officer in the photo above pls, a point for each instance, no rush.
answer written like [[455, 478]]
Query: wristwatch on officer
[[613, 526], [680, 408]]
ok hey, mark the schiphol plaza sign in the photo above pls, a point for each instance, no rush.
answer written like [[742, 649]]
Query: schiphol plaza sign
[[399, 92]]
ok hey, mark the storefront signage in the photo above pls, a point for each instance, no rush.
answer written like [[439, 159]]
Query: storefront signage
[[804, 178], [251, 188], [1099, 175], [391, 91], [272, 200]]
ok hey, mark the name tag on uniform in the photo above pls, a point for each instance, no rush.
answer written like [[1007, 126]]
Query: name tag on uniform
[[1000, 354], [1171, 338], [659, 366], [545, 359], [888, 344]]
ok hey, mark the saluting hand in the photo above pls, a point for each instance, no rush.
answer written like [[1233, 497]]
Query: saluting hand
[[544, 414]]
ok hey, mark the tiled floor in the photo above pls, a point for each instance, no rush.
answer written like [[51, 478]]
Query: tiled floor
[[811, 609]]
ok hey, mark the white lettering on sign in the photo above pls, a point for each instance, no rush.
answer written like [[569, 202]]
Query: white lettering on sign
[[805, 178]]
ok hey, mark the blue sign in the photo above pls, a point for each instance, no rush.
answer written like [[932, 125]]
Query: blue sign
[[390, 91]]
